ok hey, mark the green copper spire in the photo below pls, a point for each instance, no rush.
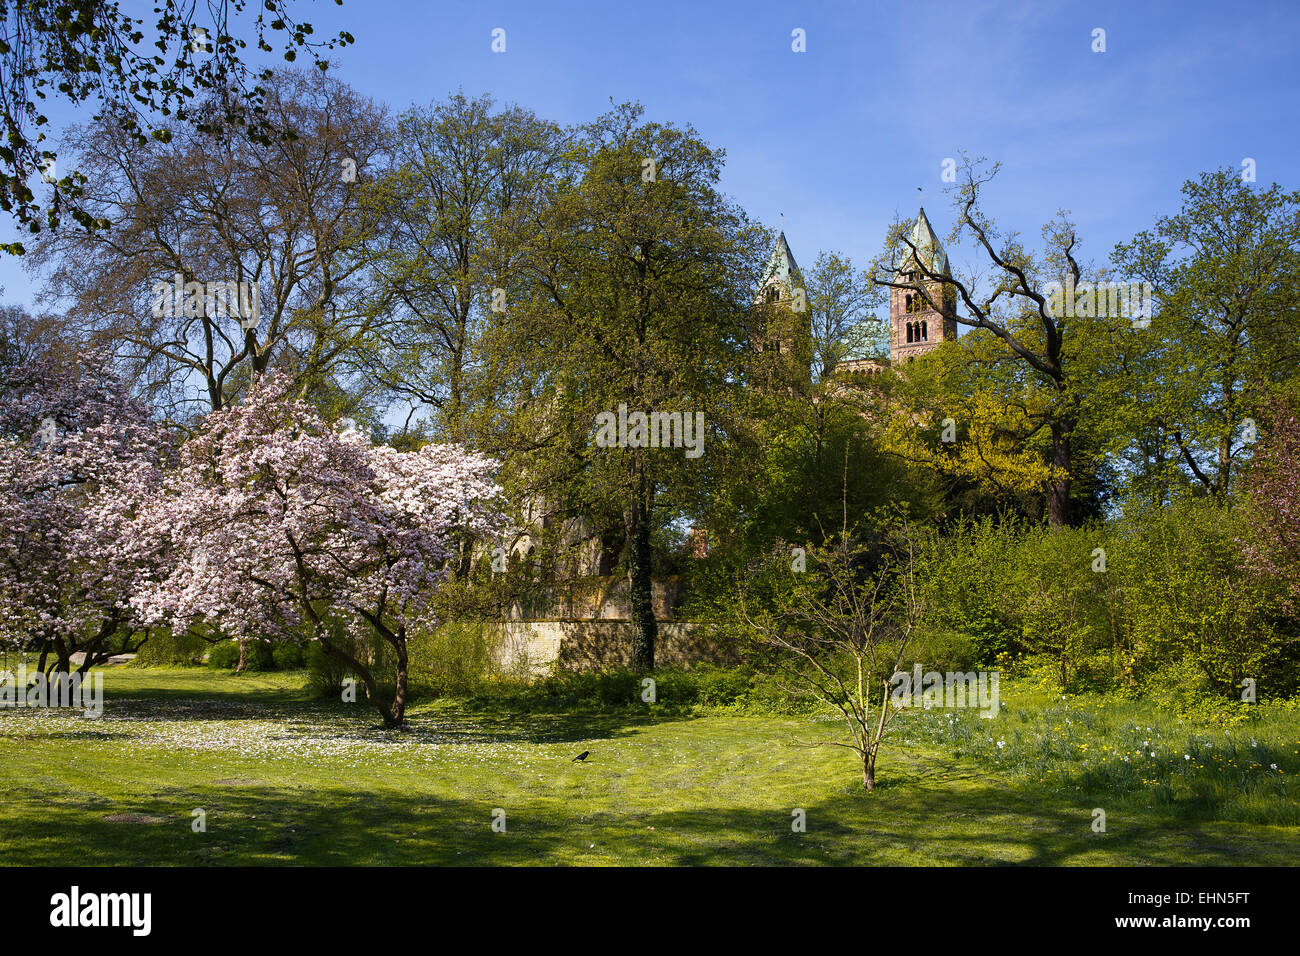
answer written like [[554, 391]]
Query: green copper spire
[[928, 249], [782, 268]]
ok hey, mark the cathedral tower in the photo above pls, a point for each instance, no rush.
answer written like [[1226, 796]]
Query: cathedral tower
[[787, 326], [914, 327]]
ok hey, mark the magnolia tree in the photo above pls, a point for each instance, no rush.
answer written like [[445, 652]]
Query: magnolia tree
[[78, 455], [1274, 487], [285, 528]]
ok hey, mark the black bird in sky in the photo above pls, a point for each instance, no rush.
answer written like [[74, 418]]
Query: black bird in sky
[[581, 756]]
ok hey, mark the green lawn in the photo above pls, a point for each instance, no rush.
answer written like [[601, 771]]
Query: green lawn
[[284, 779]]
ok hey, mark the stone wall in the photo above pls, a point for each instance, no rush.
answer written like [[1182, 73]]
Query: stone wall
[[586, 623], [535, 648]]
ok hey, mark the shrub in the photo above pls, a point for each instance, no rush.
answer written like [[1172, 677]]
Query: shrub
[[677, 690], [945, 651], [224, 655], [706, 684], [1175, 586], [1187, 597], [963, 578], [1057, 588], [1181, 687], [326, 674], [163, 648], [454, 659], [288, 657]]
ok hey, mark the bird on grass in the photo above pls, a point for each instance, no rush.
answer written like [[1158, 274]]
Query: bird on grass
[[582, 756]]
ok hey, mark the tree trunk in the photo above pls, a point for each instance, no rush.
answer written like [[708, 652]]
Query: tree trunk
[[1058, 499], [243, 655], [398, 714], [869, 771], [640, 587], [465, 560], [372, 686], [64, 658]]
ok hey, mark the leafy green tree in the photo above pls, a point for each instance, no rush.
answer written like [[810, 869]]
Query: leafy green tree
[[467, 184], [1188, 597], [642, 274], [1016, 387], [1055, 587], [841, 302], [963, 575], [1226, 270]]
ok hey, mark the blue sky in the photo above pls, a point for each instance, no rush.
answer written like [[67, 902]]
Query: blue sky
[[838, 138]]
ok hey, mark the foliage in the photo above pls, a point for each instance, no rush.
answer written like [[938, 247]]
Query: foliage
[[288, 657], [1055, 585], [277, 220], [88, 51], [1225, 269], [700, 689], [642, 274], [838, 630], [1032, 360], [79, 456], [168, 648], [963, 576], [224, 655], [457, 657], [1116, 603], [464, 189], [285, 527], [1189, 596], [1273, 487]]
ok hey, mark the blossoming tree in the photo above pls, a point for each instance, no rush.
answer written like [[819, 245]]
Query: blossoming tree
[[1273, 484], [285, 529], [78, 455]]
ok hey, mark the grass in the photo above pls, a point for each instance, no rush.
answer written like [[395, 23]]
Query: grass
[[284, 779], [1245, 769]]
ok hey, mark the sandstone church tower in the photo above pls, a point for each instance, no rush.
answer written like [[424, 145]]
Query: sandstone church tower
[[915, 328], [783, 298]]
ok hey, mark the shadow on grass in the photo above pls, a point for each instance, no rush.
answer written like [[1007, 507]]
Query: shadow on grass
[[226, 693], [927, 810], [479, 720], [254, 824], [324, 723]]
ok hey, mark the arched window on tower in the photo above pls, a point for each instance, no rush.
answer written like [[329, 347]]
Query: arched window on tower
[[773, 293], [909, 331], [925, 332], [907, 303]]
